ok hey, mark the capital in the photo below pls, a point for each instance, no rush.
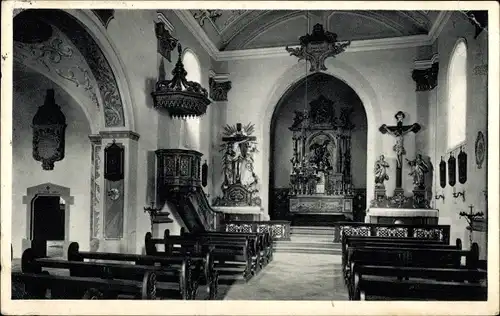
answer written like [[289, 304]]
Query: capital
[[425, 74], [219, 86]]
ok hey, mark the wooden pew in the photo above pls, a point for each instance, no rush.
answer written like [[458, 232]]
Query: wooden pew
[[37, 282], [240, 253], [202, 257], [178, 278], [423, 283], [383, 242], [263, 242], [408, 257]]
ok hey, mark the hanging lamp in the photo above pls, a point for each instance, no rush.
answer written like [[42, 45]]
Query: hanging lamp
[[181, 98]]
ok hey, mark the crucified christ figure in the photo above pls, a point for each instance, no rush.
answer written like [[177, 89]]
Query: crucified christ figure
[[399, 131]]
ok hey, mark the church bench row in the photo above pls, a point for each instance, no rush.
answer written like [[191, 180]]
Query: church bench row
[[451, 284], [263, 240], [418, 257], [383, 242], [201, 256], [85, 277], [35, 286], [240, 253], [385, 265], [429, 232]]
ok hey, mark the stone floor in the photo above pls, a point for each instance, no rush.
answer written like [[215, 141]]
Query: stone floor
[[292, 277]]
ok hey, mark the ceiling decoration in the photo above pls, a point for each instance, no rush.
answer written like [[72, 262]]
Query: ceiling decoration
[[318, 46], [57, 55], [95, 59], [202, 15], [245, 29]]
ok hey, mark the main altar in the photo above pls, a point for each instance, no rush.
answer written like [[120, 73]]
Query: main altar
[[320, 180]]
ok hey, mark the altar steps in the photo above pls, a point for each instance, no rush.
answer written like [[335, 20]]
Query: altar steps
[[310, 240]]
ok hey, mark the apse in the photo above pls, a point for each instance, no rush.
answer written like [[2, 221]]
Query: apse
[[320, 95]]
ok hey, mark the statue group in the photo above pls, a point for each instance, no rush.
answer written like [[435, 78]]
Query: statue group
[[418, 169]]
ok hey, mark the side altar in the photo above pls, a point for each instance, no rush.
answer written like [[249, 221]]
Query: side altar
[[401, 208], [320, 180]]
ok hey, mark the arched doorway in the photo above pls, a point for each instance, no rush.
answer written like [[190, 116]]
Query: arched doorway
[[321, 95]]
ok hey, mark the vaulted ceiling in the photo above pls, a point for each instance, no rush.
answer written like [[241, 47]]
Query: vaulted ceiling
[[246, 29]]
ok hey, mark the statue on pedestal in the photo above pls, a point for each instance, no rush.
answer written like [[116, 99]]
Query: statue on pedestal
[[381, 172], [418, 170]]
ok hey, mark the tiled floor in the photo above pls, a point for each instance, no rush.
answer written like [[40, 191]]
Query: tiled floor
[[293, 277]]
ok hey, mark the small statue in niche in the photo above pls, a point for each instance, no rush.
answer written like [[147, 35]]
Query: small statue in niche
[[418, 170], [381, 172]]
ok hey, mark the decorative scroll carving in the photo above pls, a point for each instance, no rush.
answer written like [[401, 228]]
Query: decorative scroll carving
[[49, 126], [58, 55], [166, 42], [219, 90], [202, 15], [104, 15], [95, 187], [101, 69], [426, 79], [438, 232], [317, 47], [240, 181]]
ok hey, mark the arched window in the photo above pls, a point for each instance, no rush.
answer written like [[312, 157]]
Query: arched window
[[457, 95], [192, 125]]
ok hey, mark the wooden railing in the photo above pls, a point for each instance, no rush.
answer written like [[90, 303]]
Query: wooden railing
[[280, 230], [432, 232]]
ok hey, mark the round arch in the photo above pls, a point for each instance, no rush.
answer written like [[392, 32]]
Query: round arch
[[98, 33], [352, 78]]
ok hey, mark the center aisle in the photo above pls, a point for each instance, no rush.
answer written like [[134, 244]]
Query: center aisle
[[293, 276]]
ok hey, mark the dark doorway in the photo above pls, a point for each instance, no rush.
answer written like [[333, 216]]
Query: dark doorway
[[48, 218]]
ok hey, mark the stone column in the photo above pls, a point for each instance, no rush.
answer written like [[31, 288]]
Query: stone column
[[219, 86]]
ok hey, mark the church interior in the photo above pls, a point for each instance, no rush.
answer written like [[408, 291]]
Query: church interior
[[249, 154]]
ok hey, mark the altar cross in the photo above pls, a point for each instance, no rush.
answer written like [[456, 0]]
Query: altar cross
[[399, 131]]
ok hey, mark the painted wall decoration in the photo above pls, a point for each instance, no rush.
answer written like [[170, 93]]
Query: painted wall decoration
[[442, 173], [462, 166], [240, 181], [114, 188], [452, 169], [49, 128], [480, 149]]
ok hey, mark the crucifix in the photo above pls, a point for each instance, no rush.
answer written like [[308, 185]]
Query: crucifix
[[399, 131], [238, 144]]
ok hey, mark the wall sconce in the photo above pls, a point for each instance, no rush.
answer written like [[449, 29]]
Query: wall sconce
[[438, 197], [470, 218], [458, 194]]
